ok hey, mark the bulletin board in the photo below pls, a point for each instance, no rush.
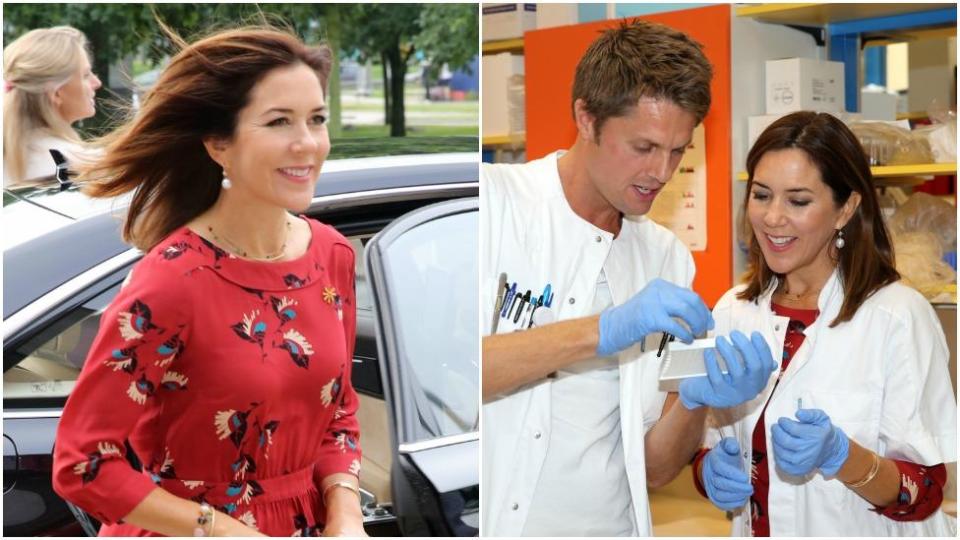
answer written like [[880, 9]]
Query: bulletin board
[[551, 57]]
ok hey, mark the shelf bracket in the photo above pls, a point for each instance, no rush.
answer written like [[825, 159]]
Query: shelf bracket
[[816, 32]]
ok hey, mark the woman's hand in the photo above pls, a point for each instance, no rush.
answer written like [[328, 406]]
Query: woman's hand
[[808, 443], [344, 517]]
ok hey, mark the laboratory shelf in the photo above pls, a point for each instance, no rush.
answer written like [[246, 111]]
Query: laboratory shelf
[[506, 45], [516, 139], [812, 14], [888, 172]]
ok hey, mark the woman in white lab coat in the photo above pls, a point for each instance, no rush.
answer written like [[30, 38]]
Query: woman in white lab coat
[[850, 438]]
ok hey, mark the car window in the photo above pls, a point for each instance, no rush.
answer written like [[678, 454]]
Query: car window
[[430, 272], [364, 296], [50, 362]]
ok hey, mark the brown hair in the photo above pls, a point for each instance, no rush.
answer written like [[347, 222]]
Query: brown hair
[[160, 152], [866, 263], [642, 59]]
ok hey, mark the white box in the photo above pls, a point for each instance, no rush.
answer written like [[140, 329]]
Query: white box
[[495, 76], [550, 15], [507, 21], [804, 84], [878, 106], [756, 125]]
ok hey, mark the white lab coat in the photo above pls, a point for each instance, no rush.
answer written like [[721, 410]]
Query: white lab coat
[[530, 232], [881, 377]]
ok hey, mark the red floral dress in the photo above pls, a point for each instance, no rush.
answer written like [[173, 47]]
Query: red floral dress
[[921, 487], [230, 379]]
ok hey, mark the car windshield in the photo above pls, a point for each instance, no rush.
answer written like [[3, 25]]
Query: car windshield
[[431, 274]]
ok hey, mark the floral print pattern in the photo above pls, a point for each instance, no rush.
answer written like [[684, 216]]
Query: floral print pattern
[[219, 368]]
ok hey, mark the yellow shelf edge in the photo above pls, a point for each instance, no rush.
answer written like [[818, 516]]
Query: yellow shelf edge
[[914, 170], [766, 9], [515, 139], [894, 171], [505, 45], [820, 14]]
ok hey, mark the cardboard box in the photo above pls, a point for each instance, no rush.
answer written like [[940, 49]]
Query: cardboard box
[[804, 84], [507, 21], [878, 106], [550, 15], [497, 70]]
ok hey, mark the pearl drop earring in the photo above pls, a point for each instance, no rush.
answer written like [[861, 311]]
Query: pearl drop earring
[[840, 241], [226, 183]]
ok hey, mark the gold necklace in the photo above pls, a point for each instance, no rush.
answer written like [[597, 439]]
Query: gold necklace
[[237, 250], [798, 297]]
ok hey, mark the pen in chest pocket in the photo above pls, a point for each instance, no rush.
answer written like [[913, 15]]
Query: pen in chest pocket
[[524, 300], [527, 321], [508, 299], [502, 290]]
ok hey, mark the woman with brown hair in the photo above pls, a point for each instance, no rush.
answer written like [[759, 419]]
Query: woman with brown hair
[[225, 359], [851, 437]]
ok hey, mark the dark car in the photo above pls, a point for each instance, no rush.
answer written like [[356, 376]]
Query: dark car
[[416, 365]]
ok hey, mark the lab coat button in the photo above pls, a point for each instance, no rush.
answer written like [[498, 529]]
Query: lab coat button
[[777, 328], [536, 435], [598, 239], [572, 300], [515, 506]]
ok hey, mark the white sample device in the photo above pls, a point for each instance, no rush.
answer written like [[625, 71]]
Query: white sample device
[[683, 361]]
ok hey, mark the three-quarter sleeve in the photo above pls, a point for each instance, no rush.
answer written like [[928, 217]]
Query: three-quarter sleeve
[[340, 449], [131, 362], [921, 492]]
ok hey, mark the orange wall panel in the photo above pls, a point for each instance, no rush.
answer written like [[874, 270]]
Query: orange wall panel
[[551, 57]]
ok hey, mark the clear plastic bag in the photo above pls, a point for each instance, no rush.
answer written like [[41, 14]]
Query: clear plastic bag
[[922, 230], [942, 134], [886, 144], [923, 212]]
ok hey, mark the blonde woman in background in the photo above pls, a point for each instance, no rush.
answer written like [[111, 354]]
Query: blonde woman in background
[[48, 85]]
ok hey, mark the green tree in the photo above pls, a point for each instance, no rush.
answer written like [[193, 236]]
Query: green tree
[[450, 33], [386, 31], [117, 31], [443, 33]]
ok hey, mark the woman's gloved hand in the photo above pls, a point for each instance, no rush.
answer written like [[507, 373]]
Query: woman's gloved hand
[[743, 380], [652, 310], [727, 485], [813, 442]]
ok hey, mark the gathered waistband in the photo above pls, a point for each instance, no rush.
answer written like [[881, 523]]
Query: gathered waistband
[[248, 491]]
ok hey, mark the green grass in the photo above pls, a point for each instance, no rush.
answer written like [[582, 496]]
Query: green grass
[[362, 132], [375, 141], [440, 106]]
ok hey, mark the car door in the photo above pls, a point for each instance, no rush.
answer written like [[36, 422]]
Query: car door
[[423, 275]]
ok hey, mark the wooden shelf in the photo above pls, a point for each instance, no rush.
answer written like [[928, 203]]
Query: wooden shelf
[[899, 171], [506, 45], [516, 140], [821, 14]]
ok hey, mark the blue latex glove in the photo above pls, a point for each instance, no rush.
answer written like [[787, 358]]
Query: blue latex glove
[[813, 442], [652, 310], [743, 380], [727, 485]]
